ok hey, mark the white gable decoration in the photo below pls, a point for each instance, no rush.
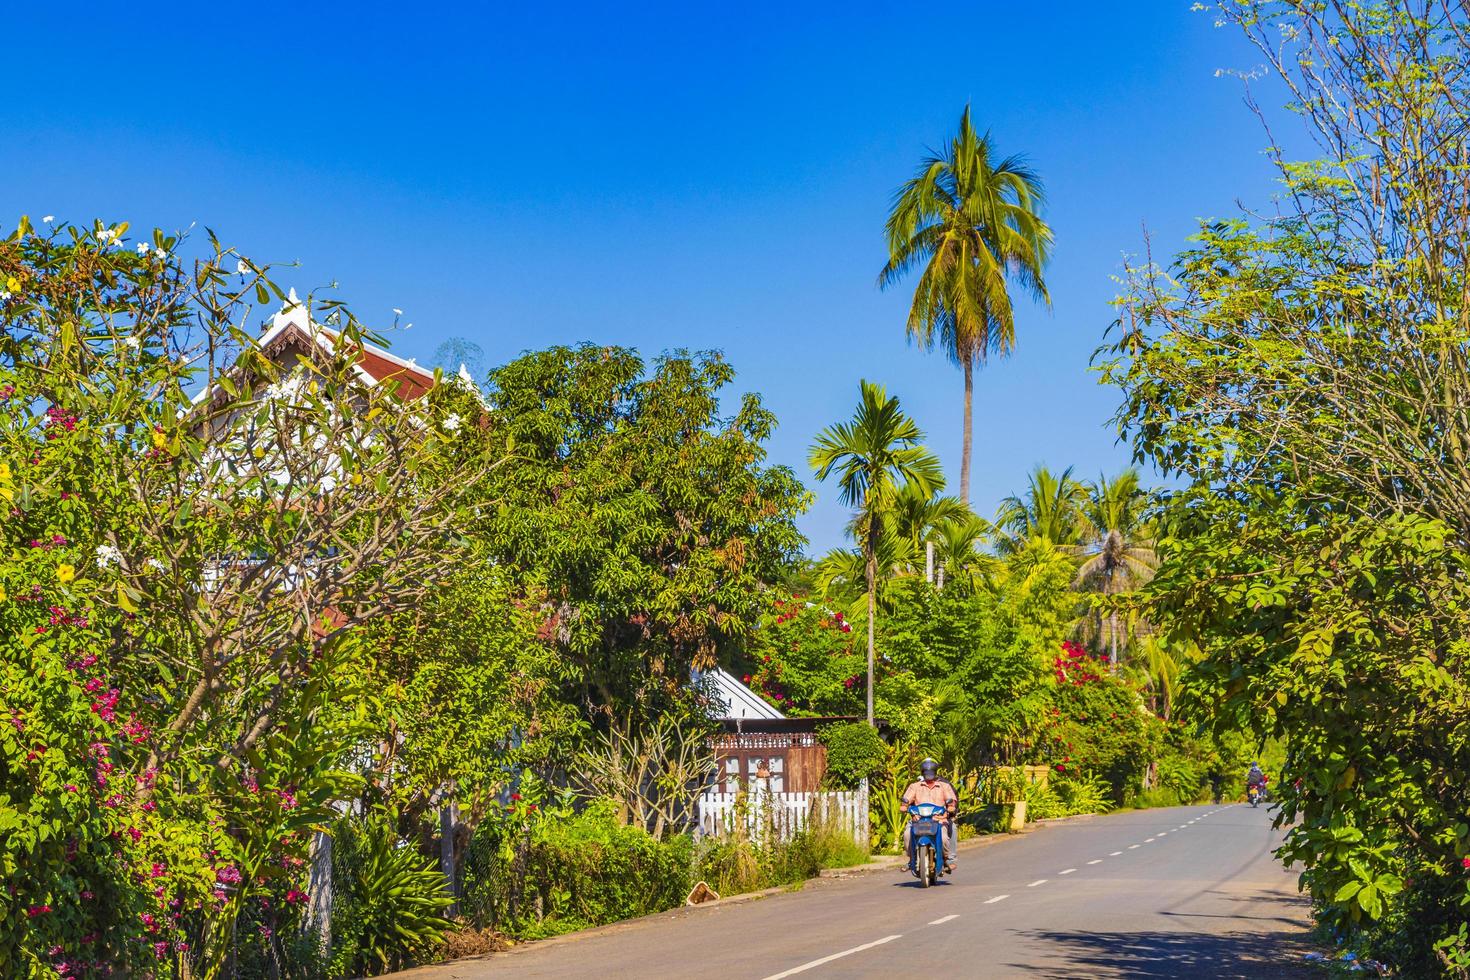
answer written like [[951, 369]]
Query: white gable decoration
[[738, 702]]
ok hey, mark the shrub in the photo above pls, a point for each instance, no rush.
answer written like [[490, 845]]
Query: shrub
[[1043, 803], [1083, 793], [1150, 798], [734, 865], [538, 878], [389, 901], [855, 752]]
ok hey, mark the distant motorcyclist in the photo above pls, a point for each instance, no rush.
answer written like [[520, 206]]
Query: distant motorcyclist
[[931, 789], [1255, 781]]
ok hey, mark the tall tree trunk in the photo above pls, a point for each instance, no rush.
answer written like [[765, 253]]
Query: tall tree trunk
[[872, 576], [871, 573], [1113, 638], [969, 433]]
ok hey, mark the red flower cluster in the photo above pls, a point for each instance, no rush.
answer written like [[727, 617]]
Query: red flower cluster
[[1074, 665], [59, 422]]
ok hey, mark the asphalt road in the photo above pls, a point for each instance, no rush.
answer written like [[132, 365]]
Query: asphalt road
[[1182, 892]]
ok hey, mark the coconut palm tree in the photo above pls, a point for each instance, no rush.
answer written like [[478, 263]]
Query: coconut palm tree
[[959, 542], [971, 221], [1052, 510], [917, 515], [873, 455], [1119, 545]]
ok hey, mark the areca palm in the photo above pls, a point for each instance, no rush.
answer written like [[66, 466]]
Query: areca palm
[[1119, 546], [959, 542], [917, 515], [1053, 509], [972, 222], [874, 454], [841, 574]]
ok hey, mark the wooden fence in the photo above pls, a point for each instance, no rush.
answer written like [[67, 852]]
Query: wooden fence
[[760, 812]]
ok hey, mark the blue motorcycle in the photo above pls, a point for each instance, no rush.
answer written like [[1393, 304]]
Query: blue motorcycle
[[927, 841]]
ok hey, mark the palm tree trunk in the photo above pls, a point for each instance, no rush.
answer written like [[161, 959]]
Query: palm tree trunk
[[969, 431], [872, 576], [1113, 638]]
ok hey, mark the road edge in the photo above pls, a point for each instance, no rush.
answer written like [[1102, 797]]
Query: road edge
[[443, 970]]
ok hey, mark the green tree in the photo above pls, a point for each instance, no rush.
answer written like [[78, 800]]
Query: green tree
[[213, 557], [466, 693], [647, 519], [972, 223], [873, 455], [1051, 511], [1303, 378], [959, 546], [917, 516], [1118, 547]]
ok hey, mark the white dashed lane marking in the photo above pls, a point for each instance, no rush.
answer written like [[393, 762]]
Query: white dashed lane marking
[[1097, 861], [947, 918], [828, 959], [1115, 854], [1132, 847], [1038, 881], [1067, 872], [998, 898]]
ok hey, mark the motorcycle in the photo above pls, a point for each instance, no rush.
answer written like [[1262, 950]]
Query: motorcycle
[[1255, 794], [927, 841]]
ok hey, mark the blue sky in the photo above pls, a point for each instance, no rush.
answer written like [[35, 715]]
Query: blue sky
[[654, 175]]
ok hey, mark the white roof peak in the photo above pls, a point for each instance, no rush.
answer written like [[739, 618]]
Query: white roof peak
[[739, 702]]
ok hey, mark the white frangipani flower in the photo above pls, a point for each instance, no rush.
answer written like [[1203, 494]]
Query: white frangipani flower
[[162, 253], [452, 422], [142, 248], [133, 342], [157, 565], [242, 267], [397, 311], [49, 218], [108, 555]]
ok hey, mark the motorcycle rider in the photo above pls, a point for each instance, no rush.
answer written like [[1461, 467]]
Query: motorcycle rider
[[1256, 779], [931, 789]]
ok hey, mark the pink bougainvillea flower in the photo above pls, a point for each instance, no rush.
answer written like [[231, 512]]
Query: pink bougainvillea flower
[[36, 910]]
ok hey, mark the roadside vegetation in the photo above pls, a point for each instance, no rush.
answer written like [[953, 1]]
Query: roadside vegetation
[[311, 678]]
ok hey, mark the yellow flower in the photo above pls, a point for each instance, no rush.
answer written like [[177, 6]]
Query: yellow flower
[[12, 285], [65, 573]]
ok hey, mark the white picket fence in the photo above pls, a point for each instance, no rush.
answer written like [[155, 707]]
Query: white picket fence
[[784, 814]]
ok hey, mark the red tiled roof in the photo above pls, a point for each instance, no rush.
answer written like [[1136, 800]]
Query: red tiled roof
[[411, 381]]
